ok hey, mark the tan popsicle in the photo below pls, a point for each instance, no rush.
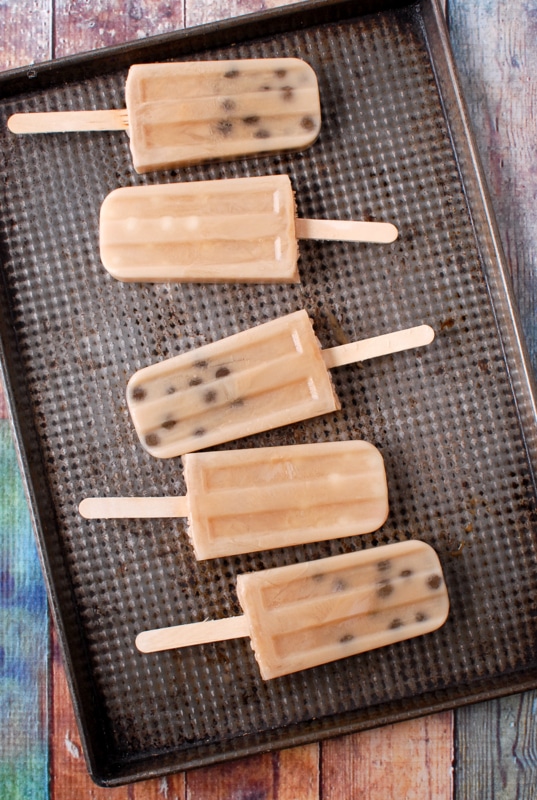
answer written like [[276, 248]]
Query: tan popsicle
[[183, 113], [261, 378], [241, 501], [240, 229], [302, 615]]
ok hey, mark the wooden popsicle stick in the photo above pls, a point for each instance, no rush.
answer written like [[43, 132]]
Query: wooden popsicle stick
[[133, 507], [110, 119], [213, 630], [377, 346], [346, 230]]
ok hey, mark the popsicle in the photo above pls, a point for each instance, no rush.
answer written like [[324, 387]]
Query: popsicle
[[240, 229], [271, 375], [302, 615], [242, 501], [188, 112]]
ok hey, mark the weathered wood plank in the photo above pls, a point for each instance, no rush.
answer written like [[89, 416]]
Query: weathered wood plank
[[407, 761], [81, 26], [199, 12], [286, 775], [495, 49], [497, 749], [25, 32]]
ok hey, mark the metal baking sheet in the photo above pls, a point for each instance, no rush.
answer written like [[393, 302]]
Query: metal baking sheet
[[455, 421]]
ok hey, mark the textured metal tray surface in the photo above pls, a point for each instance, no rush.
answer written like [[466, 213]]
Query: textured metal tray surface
[[453, 420]]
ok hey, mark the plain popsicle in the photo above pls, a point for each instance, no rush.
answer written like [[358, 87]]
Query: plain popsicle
[[271, 375], [302, 615], [183, 113], [241, 501], [239, 229]]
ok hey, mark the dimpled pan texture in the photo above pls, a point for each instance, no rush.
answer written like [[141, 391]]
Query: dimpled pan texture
[[453, 421]]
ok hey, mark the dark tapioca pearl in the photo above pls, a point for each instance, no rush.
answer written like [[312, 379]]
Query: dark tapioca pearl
[[348, 637], [171, 390], [238, 403], [222, 372], [224, 127], [395, 623], [318, 577], [280, 73], [262, 133], [265, 88], [406, 573], [339, 585], [307, 123], [384, 566], [434, 582], [228, 104], [232, 73], [152, 440], [385, 589], [287, 92], [138, 393], [210, 396], [196, 381], [168, 424], [252, 120], [421, 617], [201, 364], [199, 432]]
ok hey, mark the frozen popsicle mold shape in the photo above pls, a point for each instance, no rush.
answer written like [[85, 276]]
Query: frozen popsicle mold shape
[[302, 615], [240, 229], [241, 501], [271, 375], [183, 113]]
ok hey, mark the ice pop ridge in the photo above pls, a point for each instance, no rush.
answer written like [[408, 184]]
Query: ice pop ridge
[[303, 615], [240, 229], [188, 112], [270, 375], [242, 501]]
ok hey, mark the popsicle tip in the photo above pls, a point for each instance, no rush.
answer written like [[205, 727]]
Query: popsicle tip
[[392, 233], [14, 123], [84, 508], [142, 643]]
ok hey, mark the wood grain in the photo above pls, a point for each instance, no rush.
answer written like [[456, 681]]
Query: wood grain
[[199, 12], [286, 775], [82, 26], [26, 32], [409, 761]]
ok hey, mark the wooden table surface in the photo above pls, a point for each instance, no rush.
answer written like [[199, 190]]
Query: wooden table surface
[[485, 751]]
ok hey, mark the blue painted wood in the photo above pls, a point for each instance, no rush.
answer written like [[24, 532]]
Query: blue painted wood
[[495, 48], [24, 639]]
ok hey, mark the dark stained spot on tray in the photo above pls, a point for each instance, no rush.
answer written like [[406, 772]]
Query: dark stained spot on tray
[[434, 582], [138, 393]]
